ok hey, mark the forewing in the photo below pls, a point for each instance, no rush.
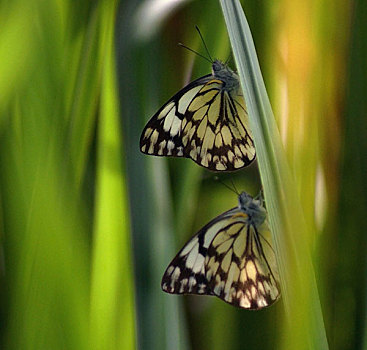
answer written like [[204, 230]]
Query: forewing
[[186, 274], [216, 132], [162, 134], [241, 266]]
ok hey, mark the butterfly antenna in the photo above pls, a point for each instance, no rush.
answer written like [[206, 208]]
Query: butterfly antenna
[[235, 189], [206, 48], [195, 52], [225, 185], [227, 60]]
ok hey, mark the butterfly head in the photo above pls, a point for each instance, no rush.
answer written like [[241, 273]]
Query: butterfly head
[[217, 66], [252, 207], [226, 74]]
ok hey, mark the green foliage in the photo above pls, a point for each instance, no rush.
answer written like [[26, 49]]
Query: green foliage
[[60, 257]]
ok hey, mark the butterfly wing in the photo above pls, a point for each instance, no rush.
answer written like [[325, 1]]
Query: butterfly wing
[[241, 265], [186, 273], [204, 122], [227, 258], [162, 134], [216, 131]]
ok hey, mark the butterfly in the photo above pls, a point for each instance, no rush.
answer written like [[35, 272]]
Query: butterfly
[[206, 121], [231, 257]]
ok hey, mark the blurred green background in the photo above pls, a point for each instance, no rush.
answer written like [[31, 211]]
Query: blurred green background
[[89, 224]]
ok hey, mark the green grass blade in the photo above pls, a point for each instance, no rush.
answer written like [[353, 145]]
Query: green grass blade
[[349, 282], [83, 93], [112, 302], [46, 254], [17, 47], [161, 318], [305, 328]]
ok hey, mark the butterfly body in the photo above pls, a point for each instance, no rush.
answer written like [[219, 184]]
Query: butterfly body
[[206, 121], [227, 75], [231, 257]]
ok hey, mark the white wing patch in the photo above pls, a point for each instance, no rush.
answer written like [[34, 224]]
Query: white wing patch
[[186, 98]]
